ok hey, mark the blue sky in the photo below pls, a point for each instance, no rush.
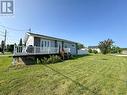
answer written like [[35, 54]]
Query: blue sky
[[84, 21]]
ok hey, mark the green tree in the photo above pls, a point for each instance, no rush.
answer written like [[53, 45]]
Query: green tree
[[105, 46], [80, 46], [20, 42], [95, 51], [10, 48], [115, 49], [90, 51], [2, 47]]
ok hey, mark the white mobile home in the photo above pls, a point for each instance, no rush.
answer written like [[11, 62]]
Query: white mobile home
[[43, 44]]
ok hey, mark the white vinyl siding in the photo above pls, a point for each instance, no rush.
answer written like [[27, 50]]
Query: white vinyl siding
[[52, 43], [72, 47], [30, 41]]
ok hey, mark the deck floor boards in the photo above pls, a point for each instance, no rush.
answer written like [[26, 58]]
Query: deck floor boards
[[25, 55]]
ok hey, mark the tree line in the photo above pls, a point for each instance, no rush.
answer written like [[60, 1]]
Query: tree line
[[107, 46], [9, 47]]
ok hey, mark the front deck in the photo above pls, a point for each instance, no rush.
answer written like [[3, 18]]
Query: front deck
[[33, 51], [29, 55]]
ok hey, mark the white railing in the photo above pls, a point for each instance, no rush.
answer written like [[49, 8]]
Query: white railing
[[23, 50]]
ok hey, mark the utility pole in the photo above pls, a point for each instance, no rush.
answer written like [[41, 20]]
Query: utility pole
[[5, 37]]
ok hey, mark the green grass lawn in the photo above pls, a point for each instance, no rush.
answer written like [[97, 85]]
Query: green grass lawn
[[6, 53], [88, 75]]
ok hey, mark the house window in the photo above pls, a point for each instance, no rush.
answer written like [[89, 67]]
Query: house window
[[72, 45], [42, 43], [48, 43], [45, 43]]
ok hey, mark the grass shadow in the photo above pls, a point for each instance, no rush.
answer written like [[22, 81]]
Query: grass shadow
[[104, 59], [79, 56], [74, 81]]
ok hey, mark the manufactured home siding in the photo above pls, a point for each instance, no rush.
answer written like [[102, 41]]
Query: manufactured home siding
[[72, 47], [52, 43], [30, 41], [45, 41]]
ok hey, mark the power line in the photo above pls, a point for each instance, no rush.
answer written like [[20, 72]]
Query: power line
[[5, 37], [2, 35], [1, 32], [9, 28]]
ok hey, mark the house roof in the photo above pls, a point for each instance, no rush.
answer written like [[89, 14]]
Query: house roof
[[44, 36], [92, 46]]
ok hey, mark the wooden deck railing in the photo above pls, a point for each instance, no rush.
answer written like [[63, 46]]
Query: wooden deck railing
[[23, 50]]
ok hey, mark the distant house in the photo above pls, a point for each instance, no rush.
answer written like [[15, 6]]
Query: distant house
[[42, 44], [124, 51], [94, 48], [83, 51]]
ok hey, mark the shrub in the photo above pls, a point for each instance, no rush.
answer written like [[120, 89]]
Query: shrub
[[95, 51], [115, 49], [90, 51], [10, 48], [52, 59], [44, 60]]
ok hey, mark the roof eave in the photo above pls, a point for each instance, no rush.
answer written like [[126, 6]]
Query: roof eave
[[43, 36]]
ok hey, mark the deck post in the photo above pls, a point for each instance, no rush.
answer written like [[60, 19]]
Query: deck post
[[48, 50], [15, 50], [34, 49], [57, 49]]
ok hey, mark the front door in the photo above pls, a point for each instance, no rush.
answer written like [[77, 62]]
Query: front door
[[45, 44], [59, 46]]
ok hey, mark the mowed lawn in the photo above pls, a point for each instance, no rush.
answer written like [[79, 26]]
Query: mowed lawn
[[88, 75]]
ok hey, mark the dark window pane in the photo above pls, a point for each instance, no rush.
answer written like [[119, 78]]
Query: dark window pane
[[45, 43], [48, 43], [42, 44]]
